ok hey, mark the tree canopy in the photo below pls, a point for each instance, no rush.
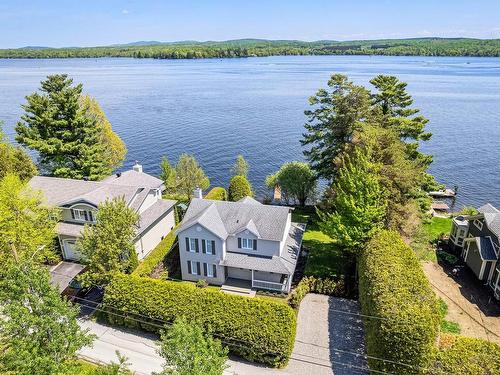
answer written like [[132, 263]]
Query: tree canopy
[[188, 350], [39, 333], [296, 181], [189, 176], [14, 159], [239, 188], [168, 175], [25, 222], [70, 133], [107, 246], [240, 167]]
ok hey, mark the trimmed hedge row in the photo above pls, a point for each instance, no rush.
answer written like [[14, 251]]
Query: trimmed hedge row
[[311, 284], [465, 356], [394, 288], [255, 329], [217, 194], [148, 264]]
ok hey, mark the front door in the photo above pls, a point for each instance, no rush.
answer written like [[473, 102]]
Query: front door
[[70, 251]]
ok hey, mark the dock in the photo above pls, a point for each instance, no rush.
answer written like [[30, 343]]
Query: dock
[[445, 193]]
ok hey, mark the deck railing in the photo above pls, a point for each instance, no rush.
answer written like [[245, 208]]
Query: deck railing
[[279, 287]]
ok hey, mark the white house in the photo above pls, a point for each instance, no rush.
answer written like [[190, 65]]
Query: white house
[[243, 240], [79, 200]]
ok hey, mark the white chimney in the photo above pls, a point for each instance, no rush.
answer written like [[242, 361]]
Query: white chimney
[[137, 167], [198, 193]]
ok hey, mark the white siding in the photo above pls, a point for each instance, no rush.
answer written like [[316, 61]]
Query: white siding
[[264, 247], [153, 235]]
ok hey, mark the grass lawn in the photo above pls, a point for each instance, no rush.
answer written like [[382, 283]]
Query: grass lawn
[[429, 232], [277, 299], [85, 368], [325, 259]]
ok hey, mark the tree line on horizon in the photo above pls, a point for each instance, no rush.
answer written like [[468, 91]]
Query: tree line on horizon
[[256, 47]]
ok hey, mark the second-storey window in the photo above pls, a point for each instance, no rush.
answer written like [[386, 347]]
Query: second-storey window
[[192, 244], [82, 215], [478, 224], [248, 244]]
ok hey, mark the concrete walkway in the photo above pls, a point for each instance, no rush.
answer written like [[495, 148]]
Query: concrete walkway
[[329, 341]]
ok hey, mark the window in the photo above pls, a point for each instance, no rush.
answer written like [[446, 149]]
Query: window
[[478, 224], [193, 267], [210, 270], [208, 247], [247, 243], [192, 244], [82, 215], [461, 233]]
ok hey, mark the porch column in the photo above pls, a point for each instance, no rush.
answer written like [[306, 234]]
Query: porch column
[[252, 278]]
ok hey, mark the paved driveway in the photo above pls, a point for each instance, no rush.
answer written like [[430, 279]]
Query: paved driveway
[[329, 341]]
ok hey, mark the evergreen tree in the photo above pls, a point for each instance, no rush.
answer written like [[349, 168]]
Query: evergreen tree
[[189, 176], [240, 167], [188, 350], [359, 203], [14, 160], [395, 103], [25, 223], [39, 333], [67, 140], [107, 246], [239, 188], [337, 112]]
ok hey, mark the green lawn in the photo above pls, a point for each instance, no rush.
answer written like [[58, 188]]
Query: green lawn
[[424, 241], [325, 259]]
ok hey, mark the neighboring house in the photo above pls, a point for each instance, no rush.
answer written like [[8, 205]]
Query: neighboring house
[[477, 239], [243, 240], [78, 201]]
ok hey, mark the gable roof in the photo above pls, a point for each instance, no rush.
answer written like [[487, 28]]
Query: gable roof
[[491, 217], [485, 247], [229, 218], [134, 178]]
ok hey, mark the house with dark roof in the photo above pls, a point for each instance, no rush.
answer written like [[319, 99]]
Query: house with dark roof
[[477, 239], [242, 241], [78, 202]]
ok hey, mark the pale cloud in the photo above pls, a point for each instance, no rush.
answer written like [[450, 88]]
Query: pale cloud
[[125, 11]]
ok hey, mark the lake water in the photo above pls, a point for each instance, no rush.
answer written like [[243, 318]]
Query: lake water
[[218, 108]]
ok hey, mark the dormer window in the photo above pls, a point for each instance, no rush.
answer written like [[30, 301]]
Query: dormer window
[[82, 215], [247, 243], [478, 224]]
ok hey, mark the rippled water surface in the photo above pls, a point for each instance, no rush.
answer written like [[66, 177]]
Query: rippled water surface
[[218, 108]]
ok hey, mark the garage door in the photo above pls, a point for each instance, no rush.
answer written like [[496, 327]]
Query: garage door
[[70, 251]]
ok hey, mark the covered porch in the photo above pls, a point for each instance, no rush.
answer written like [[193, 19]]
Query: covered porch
[[257, 280]]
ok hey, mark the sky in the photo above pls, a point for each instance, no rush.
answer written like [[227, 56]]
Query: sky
[[58, 23]]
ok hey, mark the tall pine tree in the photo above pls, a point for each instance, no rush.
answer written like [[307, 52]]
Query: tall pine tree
[[68, 142]]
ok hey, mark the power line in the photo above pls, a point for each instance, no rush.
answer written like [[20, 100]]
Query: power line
[[237, 340]]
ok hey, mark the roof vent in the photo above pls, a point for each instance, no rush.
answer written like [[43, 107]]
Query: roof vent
[[119, 174]]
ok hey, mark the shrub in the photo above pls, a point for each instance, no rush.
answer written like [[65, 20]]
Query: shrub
[[239, 188], [201, 283], [148, 264], [311, 284], [217, 194], [394, 288], [255, 329], [465, 356]]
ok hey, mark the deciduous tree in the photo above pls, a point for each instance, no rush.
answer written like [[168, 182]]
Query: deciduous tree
[[189, 176], [14, 159], [39, 333], [239, 188], [188, 350], [25, 222], [296, 180], [107, 246], [168, 175]]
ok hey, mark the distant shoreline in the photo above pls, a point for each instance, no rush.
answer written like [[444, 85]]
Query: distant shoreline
[[451, 47]]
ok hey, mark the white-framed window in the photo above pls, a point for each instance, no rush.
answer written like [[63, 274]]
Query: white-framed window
[[210, 270], [192, 245], [82, 215], [247, 243], [193, 267], [478, 224], [461, 233], [210, 248]]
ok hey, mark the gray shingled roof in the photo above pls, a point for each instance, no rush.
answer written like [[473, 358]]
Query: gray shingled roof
[[491, 217], [284, 264], [488, 208], [485, 248], [153, 213], [69, 229], [134, 178], [227, 218]]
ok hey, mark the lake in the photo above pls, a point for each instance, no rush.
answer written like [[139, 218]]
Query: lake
[[219, 108]]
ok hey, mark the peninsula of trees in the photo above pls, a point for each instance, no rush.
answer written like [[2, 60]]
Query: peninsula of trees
[[261, 47]]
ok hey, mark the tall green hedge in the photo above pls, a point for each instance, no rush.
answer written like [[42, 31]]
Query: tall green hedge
[[394, 289], [255, 329], [217, 194], [156, 255], [312, 284]]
